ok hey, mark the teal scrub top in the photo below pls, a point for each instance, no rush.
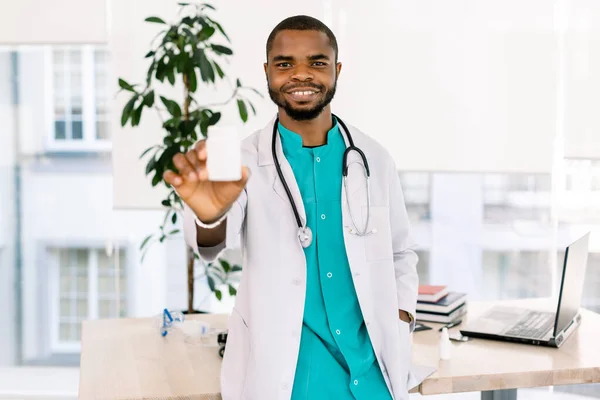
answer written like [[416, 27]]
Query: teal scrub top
[[336, 359]]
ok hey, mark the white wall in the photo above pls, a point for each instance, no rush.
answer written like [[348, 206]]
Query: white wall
[[33, 96], [581, 79], [56, 21], [462, 86]]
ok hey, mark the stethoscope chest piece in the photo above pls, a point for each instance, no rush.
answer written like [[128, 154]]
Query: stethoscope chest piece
[[305, 235]]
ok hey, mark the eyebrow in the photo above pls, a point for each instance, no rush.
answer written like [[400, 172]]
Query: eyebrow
[[313, 57]]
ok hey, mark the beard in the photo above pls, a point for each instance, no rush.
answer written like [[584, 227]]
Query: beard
[[303, 114]]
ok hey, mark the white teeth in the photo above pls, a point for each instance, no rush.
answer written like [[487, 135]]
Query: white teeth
[[303, 93]]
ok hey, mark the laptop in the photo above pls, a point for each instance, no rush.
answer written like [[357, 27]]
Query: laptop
[[537, 327]]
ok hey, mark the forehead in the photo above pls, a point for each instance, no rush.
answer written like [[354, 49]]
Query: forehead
[[298, 43]]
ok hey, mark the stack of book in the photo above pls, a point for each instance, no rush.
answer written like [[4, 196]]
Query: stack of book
[[438, 304]]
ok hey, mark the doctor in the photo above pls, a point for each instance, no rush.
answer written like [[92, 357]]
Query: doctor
[[325, 307]]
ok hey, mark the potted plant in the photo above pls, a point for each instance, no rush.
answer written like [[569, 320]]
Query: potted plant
[[188, 52]]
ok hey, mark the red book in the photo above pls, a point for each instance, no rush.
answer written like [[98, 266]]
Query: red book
[[432, 293]]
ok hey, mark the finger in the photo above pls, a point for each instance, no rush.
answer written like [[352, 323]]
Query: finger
[[192, 158], [186, 170], [201, 150], [172, 178]]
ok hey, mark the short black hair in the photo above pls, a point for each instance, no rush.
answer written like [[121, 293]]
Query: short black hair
[[302, 23]]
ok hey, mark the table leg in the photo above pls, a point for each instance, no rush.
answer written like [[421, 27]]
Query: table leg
[[507, 394]]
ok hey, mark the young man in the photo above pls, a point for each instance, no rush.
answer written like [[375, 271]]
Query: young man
[[329, 287]]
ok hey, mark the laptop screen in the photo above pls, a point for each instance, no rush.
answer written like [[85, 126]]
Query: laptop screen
[[571, 288]]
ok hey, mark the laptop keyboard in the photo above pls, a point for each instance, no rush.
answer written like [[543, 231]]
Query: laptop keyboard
[[533, 325]]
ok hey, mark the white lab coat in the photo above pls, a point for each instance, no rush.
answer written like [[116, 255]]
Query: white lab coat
[[265, 325]]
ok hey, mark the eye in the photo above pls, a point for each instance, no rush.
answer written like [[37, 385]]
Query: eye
[[283, 65], [319, 64]]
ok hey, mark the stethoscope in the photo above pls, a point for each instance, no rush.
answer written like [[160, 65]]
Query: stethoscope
[[304, 232]]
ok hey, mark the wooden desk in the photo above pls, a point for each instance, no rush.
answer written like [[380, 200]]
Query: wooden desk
[[485, 365], [128, 359]]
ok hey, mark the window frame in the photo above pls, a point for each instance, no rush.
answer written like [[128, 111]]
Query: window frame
[[89, 141], [94, 297]]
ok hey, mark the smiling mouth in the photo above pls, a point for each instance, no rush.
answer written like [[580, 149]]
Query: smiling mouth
[[302, 95]]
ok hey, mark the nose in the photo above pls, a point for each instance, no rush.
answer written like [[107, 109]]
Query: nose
[[302, 73]]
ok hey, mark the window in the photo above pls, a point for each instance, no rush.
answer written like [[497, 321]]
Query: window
[[79, 98], [84, 286], [416, 187], [516, 197]]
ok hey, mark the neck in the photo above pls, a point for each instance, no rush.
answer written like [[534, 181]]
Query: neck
[[314, 131]]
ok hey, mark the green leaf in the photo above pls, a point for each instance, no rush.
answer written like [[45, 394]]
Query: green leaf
[[156, 180], [217, 48], [174, 218], [190, 35], [166, 203], [243, 110], [206, 69], [168, 141], [137, 115], [232, 290], [252, 107], [151, 70], [149, 99], [214, 118], [211, 283], [226, 266], [219, 70], [171, 75], [150, 166], [218, 294], [206, 5], [162, 238], [127, 110], [192, 80], [145, 241], [150, 54], [220, 28], [236, 268], [183, 4], [155, 20], [174, 231], [172, 107], [206, 33], [126, 86], [189, 21], [146, 151]]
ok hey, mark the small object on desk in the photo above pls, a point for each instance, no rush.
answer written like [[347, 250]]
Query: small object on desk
[[445, 345], [452, 324], [420, 327], [431, 293], [458, 337]]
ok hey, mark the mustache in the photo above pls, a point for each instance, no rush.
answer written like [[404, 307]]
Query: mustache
[[287, 88]]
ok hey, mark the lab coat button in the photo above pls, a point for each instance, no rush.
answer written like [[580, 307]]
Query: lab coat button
[[355, 382], [338, 331], [318, 159], [329, 275], [322, 216]]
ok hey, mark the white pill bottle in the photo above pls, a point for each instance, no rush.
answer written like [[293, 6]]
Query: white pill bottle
[[223, 153]]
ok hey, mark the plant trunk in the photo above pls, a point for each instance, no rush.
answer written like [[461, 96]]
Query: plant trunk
[[190, 274]]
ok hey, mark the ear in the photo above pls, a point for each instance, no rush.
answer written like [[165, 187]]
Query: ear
[[338, 69], [266, 67]]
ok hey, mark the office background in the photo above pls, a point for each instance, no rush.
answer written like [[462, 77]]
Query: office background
[[488, 107]]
